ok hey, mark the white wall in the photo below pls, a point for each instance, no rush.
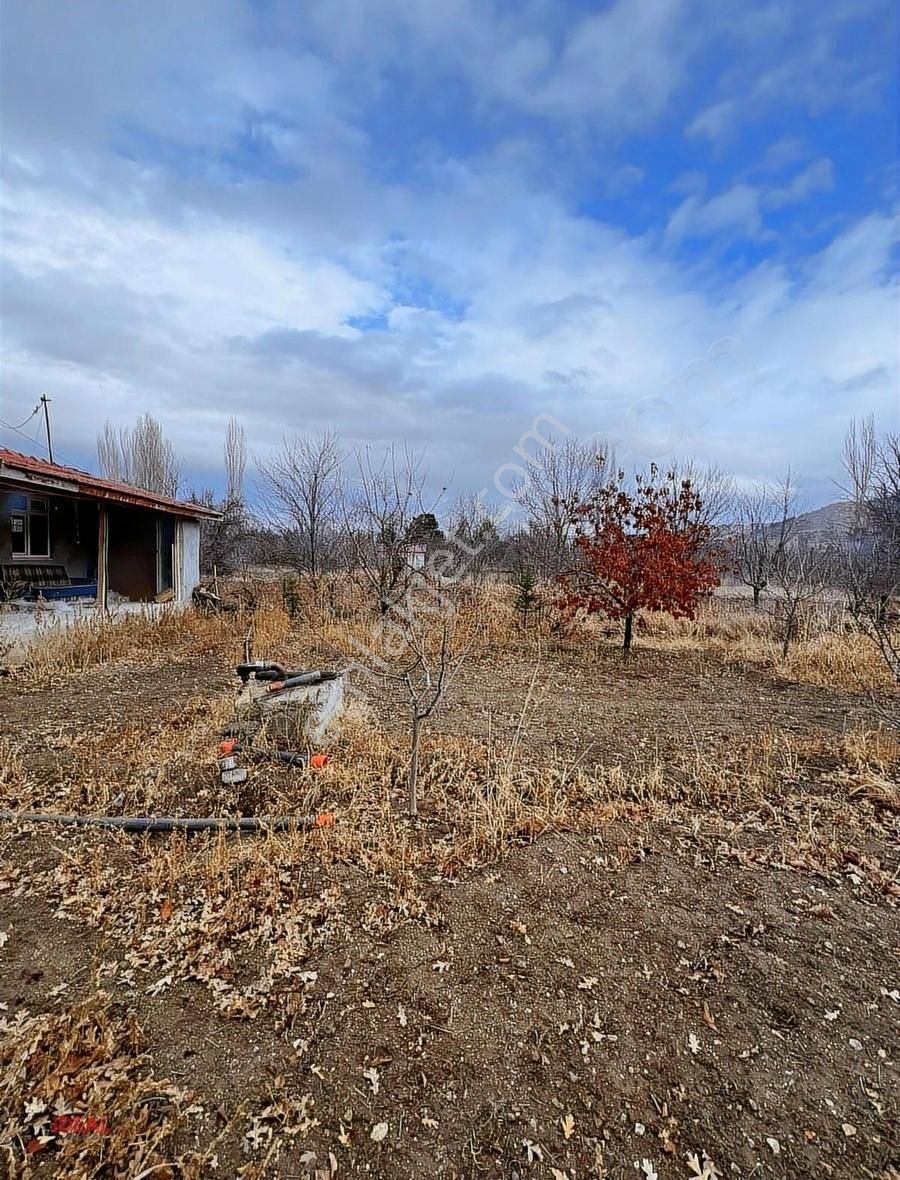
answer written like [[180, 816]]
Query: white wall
[[187, 559]]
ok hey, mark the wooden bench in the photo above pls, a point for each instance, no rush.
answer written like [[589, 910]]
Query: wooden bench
[[22, 578]]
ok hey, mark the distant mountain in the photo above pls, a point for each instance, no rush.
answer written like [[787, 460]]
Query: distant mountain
[[832, 522], [829, 525]]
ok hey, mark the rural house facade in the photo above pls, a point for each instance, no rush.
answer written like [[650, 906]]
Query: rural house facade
[[65, 533]]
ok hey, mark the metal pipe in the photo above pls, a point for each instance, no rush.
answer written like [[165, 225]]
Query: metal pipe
[[143, 823]]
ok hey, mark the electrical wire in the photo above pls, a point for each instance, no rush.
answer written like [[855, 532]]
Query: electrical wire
[[33, 441], [9, 425], [36, 441]]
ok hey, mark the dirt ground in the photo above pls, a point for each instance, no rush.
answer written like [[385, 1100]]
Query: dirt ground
[[682, 997], [602, 709]]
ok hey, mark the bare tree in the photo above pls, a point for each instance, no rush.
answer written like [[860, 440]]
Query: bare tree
[[300, 488], [141, 456], [222, 540], [379, 512], [884, 502], [473, 529], [797, 579], [235, 451], [764, 530], [870, 561], [426, 677], [860, 460], [712, 484], [559, 477]]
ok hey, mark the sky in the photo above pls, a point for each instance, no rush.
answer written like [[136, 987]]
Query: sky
[[666, 223]]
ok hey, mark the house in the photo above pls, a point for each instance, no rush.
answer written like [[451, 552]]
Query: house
[[66, 533]]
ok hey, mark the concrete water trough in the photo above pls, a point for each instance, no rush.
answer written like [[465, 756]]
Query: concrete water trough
[[294, 705]]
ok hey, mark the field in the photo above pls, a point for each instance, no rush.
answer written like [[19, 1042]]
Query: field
[[644, 925]]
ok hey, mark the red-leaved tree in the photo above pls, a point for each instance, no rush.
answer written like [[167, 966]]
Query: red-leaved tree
[[641, 549]]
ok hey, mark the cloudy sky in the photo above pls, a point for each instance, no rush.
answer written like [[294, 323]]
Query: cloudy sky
[[666, 221]]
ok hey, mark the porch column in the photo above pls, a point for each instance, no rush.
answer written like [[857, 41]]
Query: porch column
[[102, 558]]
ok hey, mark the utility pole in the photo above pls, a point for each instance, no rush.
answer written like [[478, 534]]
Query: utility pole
[[46, 402]]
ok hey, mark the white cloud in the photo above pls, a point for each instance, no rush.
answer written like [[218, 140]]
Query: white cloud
[[195, 321], [715, 123], [816, 177], [736, 210], [148, 266]]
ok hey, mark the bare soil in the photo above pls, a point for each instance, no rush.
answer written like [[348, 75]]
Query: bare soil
[[598, 707], [651, 998]]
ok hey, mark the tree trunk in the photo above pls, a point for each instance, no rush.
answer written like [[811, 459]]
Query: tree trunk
[[756, 593], [629, 621], [788, 635], [414, 767]]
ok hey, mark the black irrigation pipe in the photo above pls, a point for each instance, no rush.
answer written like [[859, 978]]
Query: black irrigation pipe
[[168, 823]]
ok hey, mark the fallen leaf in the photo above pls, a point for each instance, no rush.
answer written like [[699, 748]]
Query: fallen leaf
[[848, 1129], [372, 1077], [702, 1170], [166, 910], [708, 1018], [774, 1145], [378, 1132], [401, 1016], [533, 1151], [567, 1122], [649, 1171], [694, 1043]]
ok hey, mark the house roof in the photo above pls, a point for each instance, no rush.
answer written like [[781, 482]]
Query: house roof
[[28, 469]]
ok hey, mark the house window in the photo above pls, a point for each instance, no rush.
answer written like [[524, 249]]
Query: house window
[[30, 527]]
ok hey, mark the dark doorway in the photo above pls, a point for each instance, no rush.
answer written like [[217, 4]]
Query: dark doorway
[[132, 558]]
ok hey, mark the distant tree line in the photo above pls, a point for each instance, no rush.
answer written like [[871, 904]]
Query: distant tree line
[[578, 523]]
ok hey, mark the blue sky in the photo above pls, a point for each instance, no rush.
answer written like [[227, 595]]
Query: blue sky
[[433, 222]]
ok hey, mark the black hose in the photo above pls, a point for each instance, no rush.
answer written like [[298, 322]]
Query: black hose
[[258, 754], [143, 823]]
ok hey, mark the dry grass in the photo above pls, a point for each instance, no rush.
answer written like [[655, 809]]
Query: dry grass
[[820, 656], [243, 918], [247, 919], [145, 637], [74, 1081], [332, 621]]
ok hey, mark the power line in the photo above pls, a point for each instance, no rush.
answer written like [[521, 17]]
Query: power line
[[16, 430], [37, 441], [25, 423]]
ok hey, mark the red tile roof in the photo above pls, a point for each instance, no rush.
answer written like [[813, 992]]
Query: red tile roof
[[34, 471]]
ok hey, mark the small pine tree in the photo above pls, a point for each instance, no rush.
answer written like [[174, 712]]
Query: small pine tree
[[527, 599], [290, 596]]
